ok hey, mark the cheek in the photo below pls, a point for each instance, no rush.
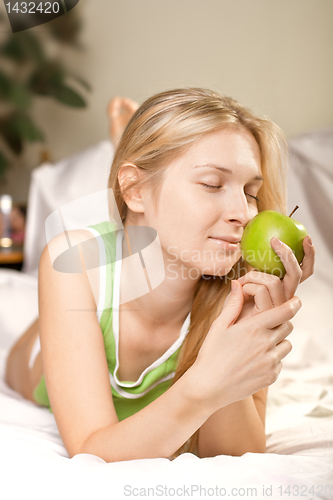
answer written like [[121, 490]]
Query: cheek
[[178, 206], [254, 211]]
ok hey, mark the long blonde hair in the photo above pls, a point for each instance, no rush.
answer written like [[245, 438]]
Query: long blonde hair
[[163, 128]]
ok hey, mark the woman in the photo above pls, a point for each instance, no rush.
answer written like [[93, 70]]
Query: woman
[[191, 360]]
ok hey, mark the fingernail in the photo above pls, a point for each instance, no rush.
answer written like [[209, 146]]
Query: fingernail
[[233, 286], [310, 241], [276, 241]]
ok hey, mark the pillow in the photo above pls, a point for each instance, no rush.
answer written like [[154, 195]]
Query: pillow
[[53, 186], [310, 186]]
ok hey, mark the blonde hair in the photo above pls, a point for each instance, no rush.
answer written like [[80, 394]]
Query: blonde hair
[[163, 128]]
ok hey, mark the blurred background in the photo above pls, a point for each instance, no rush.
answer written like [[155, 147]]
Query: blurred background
[[56, 79]]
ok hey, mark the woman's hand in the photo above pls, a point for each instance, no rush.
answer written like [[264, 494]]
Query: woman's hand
[[238, 359], [264, 291]]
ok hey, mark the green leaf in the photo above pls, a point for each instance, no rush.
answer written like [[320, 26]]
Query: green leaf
[[5, 85], [33, 46], [23, 126], [13, 49], [3, 164], [23, 47], [45, 77], [20, 96], [19, 127], [14, 141], [14, 92], [68, 96]]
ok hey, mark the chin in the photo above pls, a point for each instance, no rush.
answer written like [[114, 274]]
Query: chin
[[220, 269], [219, 272]]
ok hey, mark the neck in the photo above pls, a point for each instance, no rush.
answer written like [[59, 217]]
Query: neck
[[158, 300]]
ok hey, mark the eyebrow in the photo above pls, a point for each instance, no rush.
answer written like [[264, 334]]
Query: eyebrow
[[227, 170]]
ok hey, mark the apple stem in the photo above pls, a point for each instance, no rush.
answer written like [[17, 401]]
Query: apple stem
[[294, 210]]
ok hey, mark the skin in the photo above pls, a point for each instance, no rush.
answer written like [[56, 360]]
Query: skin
[[204, 212], [119, 111]]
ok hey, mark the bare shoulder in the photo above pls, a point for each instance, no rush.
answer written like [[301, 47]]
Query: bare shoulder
[[72, 257]]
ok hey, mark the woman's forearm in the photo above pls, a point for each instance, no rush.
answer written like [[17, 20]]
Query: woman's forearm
[[233, 430], [156, 431], [260, 400]]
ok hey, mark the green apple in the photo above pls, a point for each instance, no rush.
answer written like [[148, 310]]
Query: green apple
[[255, 245]]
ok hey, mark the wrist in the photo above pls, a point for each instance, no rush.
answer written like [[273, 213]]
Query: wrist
[[201, 396]]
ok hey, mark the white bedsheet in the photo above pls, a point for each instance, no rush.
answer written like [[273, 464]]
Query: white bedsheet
[[34, 462]]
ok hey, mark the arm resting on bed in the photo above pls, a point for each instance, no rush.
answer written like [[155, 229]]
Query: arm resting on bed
[[260, 400], [235, 429], [156, 431]]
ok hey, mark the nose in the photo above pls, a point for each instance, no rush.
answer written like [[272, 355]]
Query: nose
[[237, 210]]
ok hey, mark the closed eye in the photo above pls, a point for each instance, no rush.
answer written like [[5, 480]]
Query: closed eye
[[212, 187], [218, 187]]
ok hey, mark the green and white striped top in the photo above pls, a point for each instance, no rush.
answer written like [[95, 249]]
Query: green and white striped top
[[129, 397]]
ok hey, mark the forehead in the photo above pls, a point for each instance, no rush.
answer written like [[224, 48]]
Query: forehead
[[233, 148]]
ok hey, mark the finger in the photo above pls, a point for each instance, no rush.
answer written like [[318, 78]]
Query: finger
[[271, 282], [307, 264], [293, 274], [232, 307], [281, 332], [275, 317], [262, 299], [283, 349]]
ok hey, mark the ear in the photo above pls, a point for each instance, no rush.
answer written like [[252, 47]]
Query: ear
[[130, 174]]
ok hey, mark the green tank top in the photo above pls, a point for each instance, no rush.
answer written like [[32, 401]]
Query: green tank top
[[128, 396]]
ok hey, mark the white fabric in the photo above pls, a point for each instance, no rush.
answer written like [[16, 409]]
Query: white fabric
[[53, 186], [311, 188], [299, 424]]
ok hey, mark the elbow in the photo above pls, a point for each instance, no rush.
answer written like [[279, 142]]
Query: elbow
[[81, 448], [87, 448], [76, 449], [100, 444], [258, 446]]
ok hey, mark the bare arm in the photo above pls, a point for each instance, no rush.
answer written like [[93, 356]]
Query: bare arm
[[260, 400], [78, 383], [233, 430], [158, 430]]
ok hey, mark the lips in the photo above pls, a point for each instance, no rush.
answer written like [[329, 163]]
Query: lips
[[230, 239], [225, 244]]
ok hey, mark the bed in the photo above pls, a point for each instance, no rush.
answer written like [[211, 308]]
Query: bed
[[299, 427]]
